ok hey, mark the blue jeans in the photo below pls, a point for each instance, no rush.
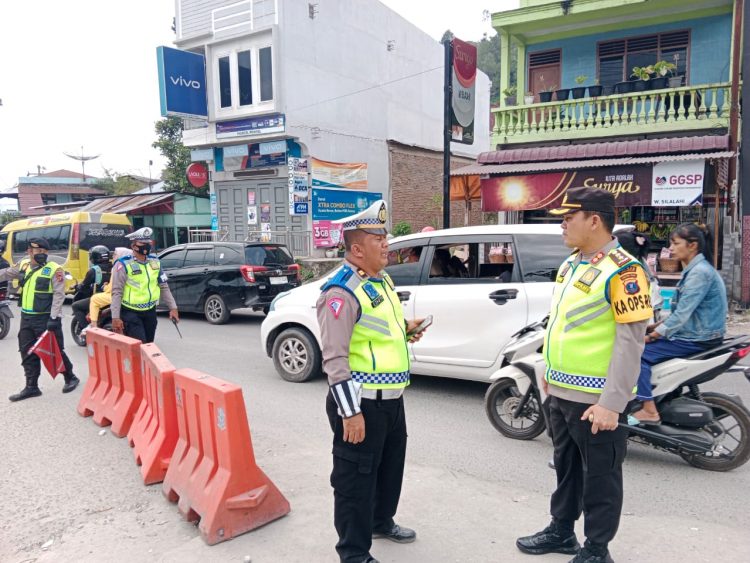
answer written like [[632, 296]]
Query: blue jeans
[[659, 351]]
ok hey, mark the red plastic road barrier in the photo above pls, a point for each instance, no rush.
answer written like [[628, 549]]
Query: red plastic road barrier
[[113, 390], [153, 434], [213, 474]]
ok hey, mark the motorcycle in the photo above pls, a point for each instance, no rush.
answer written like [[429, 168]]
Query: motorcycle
[[6, 314], [708, 430], [104, 321]]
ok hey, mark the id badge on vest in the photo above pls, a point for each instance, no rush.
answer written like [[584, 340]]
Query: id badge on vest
[[372, 294]]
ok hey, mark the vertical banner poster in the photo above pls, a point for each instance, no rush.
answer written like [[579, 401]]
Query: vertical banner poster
[[252, 214], [298, 188], [350, 175], [464, 76]]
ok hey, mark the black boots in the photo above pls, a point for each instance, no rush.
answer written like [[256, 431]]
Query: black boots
[[31, 390], [70, 383], [553, 539]]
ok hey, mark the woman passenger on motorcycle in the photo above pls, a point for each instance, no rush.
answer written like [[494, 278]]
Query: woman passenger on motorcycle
[[699, 312], [93, 282]]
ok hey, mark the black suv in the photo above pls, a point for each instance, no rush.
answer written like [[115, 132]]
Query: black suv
[[214, 278]]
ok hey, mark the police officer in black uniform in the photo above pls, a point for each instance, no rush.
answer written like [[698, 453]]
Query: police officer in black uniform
[[43, 284]]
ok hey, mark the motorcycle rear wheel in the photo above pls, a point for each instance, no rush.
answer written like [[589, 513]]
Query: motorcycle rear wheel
[[4, 326], [75, 332], [501, 399], [736, 430]]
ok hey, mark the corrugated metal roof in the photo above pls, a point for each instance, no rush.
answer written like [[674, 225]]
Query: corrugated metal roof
[[642, 147], [577, 164], [126, 203]]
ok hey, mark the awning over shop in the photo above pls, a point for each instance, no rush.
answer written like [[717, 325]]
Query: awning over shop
[[128, 203]]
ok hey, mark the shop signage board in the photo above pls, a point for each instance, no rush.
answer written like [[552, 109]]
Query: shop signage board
[[349, 175], [260, 125], [463, 79], [182, 83], [631, 186], [201, 155], [329, 205], [197, 175], [299, 193], [678, 183]]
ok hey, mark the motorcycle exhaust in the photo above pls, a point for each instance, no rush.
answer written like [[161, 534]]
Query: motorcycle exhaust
[[692, 442]]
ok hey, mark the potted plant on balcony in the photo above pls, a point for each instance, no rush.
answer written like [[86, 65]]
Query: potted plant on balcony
[[562, 94], [662, 70], [596, 89], [580, 90], [528, 99], [545, 95], [510, 95], [642, 74]]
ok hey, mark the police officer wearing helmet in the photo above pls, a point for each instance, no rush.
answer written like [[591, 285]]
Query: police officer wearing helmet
[[43, 284], [595, 336], [137, 286], [364, 345], [93, 282]]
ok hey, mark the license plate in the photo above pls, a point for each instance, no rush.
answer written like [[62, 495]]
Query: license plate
[[279, 280]]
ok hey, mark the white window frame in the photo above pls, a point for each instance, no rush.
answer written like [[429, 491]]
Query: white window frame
[[235, 109]]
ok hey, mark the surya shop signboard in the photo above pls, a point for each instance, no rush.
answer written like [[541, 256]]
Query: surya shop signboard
[[631, 186]]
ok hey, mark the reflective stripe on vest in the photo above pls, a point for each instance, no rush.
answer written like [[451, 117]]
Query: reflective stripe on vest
[[580, 334], [378, 355], [141, 291], [36, 298]]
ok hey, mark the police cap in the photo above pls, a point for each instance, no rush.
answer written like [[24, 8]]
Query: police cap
[[39, 243], [586, 199]]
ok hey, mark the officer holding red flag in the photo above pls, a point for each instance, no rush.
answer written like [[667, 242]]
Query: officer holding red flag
[[43, 284]]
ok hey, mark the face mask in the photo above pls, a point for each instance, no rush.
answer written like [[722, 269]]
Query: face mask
[[40, 259], [143, 248]]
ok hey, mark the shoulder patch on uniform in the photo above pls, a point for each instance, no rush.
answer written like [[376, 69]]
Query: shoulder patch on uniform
[[629, 278], [619, 257], [335, 304], [46, 271], [598, 258]]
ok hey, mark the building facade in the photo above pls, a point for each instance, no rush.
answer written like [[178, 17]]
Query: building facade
[[58, 190], [329, 80], [639, 98]]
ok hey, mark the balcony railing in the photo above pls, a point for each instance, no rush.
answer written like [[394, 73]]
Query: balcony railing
[[672, 109]]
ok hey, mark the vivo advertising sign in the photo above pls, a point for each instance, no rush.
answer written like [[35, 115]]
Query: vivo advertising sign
[[182, 83]]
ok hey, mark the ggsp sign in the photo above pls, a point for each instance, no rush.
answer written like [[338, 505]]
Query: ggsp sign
[[182, 83], [678, 183]]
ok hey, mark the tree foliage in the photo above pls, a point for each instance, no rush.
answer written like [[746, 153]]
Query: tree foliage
[[169, 143], [117, 184]]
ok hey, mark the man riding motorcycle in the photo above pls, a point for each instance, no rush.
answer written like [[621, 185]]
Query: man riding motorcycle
[[94, 282]]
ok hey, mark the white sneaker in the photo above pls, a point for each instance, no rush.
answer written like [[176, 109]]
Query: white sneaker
[[86, 329]]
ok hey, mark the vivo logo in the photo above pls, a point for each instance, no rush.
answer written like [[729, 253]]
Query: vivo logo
[[180, 81]]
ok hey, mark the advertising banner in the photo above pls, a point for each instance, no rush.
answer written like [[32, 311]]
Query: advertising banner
[[464, 75], [260, 125], [351, 175], [329, 205], [252, 214], [182, 83], [631, 186], [298, 187], [678, 183], [197, 174]]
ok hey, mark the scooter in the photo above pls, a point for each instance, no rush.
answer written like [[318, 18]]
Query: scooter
[[6, 314], [104, 321], [708, 430]]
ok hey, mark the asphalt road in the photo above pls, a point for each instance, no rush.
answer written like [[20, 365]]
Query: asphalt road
[[468, 490]]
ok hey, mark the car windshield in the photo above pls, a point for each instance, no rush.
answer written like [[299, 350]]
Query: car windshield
[[268, 255]]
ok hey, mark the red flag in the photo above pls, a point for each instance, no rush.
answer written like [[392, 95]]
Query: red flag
[[49, 352]]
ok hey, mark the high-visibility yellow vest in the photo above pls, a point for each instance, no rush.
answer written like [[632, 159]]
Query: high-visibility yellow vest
[[36, 298], [141, 291], [378, 354], [580, 333]]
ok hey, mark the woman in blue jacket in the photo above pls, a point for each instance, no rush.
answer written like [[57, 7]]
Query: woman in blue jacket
[[699, 313]]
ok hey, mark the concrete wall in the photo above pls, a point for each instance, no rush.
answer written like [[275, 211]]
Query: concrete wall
[[710, 49]]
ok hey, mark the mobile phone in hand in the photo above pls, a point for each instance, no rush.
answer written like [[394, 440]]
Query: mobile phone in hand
[[423, 325]]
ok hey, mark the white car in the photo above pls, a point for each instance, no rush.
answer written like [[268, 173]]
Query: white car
[[481, 285]]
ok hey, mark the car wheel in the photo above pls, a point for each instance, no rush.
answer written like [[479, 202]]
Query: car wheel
[[216, 310], [296, 355]]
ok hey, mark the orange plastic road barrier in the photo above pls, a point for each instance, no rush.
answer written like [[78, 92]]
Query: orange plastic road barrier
[[213, 474], [153, 434], [113, 390]]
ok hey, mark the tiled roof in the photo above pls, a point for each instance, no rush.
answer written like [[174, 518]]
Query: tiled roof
[[641, 147]]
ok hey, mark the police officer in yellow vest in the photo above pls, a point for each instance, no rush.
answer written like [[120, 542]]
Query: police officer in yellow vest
[[364, 343], [600, 309], [137, 286], [43, 293]]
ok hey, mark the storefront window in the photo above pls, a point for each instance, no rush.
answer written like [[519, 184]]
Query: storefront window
[[225, 82], [245, 78], [266, 74]]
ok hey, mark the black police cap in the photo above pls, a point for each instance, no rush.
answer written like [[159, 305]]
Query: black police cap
[[39, 243], [586, 199]]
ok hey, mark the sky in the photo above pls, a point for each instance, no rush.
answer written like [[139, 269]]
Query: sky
[[82, 73]]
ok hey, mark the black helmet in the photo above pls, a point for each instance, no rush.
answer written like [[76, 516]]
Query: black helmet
[[99, 254]]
